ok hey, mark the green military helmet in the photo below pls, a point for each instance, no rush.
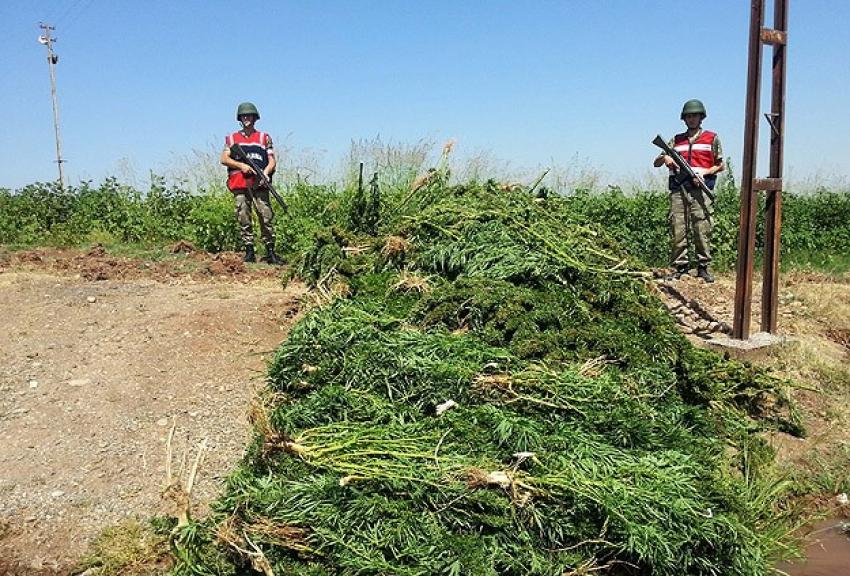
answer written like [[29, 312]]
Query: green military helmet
[[247, 108], [693, 107]]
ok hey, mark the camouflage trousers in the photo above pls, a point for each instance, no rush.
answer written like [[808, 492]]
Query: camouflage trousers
[[264, 215], [691, 210]]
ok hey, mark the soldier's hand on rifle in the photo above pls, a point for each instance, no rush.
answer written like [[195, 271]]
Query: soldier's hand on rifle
[[700, 172], [670, 163], [245, 168]]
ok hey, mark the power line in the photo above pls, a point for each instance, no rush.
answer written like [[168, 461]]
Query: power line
[[62, 11], [74, 12]]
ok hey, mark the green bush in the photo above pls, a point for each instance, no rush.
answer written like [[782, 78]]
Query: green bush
[[638, 222], [814, 226], [815, 230], [17, 225], [212, 224], [816, 222], [310, 208]]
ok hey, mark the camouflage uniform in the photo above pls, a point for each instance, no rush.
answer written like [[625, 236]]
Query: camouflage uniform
[[262, 204]]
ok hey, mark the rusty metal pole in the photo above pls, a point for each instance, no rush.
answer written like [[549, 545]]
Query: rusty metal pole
[[773, 200], [747, 230]]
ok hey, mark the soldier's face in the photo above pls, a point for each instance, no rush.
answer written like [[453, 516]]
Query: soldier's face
[[247, 120], [693, 120]]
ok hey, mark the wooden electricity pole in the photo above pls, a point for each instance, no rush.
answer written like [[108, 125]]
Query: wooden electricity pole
[[52, 59]]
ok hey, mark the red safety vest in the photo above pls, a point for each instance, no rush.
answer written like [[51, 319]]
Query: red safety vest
[[256, 148], [698, 154]]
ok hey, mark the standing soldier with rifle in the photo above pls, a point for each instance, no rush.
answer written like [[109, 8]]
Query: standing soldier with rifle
[[694, 158], [250, 188]]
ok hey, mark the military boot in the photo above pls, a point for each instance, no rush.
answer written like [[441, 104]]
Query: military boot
[[249, 254], [678, 272], [271, 257], [702, 272]]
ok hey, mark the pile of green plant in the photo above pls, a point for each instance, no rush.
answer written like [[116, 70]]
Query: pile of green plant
[[499, 391]]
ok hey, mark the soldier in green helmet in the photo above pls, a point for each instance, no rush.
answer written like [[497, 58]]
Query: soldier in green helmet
[[248, 190], [690, 207]]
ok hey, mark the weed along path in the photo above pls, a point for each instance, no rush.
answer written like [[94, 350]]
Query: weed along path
[[94, 374]]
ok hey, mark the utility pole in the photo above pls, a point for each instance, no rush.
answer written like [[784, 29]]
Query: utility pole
[[52, 59], [772, 185]]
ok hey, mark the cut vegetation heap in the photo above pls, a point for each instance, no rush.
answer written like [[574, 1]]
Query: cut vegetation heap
[[492, 388]]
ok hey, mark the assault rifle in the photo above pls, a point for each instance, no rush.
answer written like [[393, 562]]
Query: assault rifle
[[686, 172], [238, 154]]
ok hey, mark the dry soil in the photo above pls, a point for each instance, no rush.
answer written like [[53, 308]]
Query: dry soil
[[101, 356]]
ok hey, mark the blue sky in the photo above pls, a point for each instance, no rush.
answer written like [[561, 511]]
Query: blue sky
[[534, 83]]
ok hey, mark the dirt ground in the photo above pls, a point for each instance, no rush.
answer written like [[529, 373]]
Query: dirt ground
[[814, 322], [102, 355]]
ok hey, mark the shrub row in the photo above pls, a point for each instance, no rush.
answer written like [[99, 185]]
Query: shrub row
[[815, 226]]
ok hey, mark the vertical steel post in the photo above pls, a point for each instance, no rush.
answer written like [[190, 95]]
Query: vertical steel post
[[778, 38], [773, 200], [747, 230]]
